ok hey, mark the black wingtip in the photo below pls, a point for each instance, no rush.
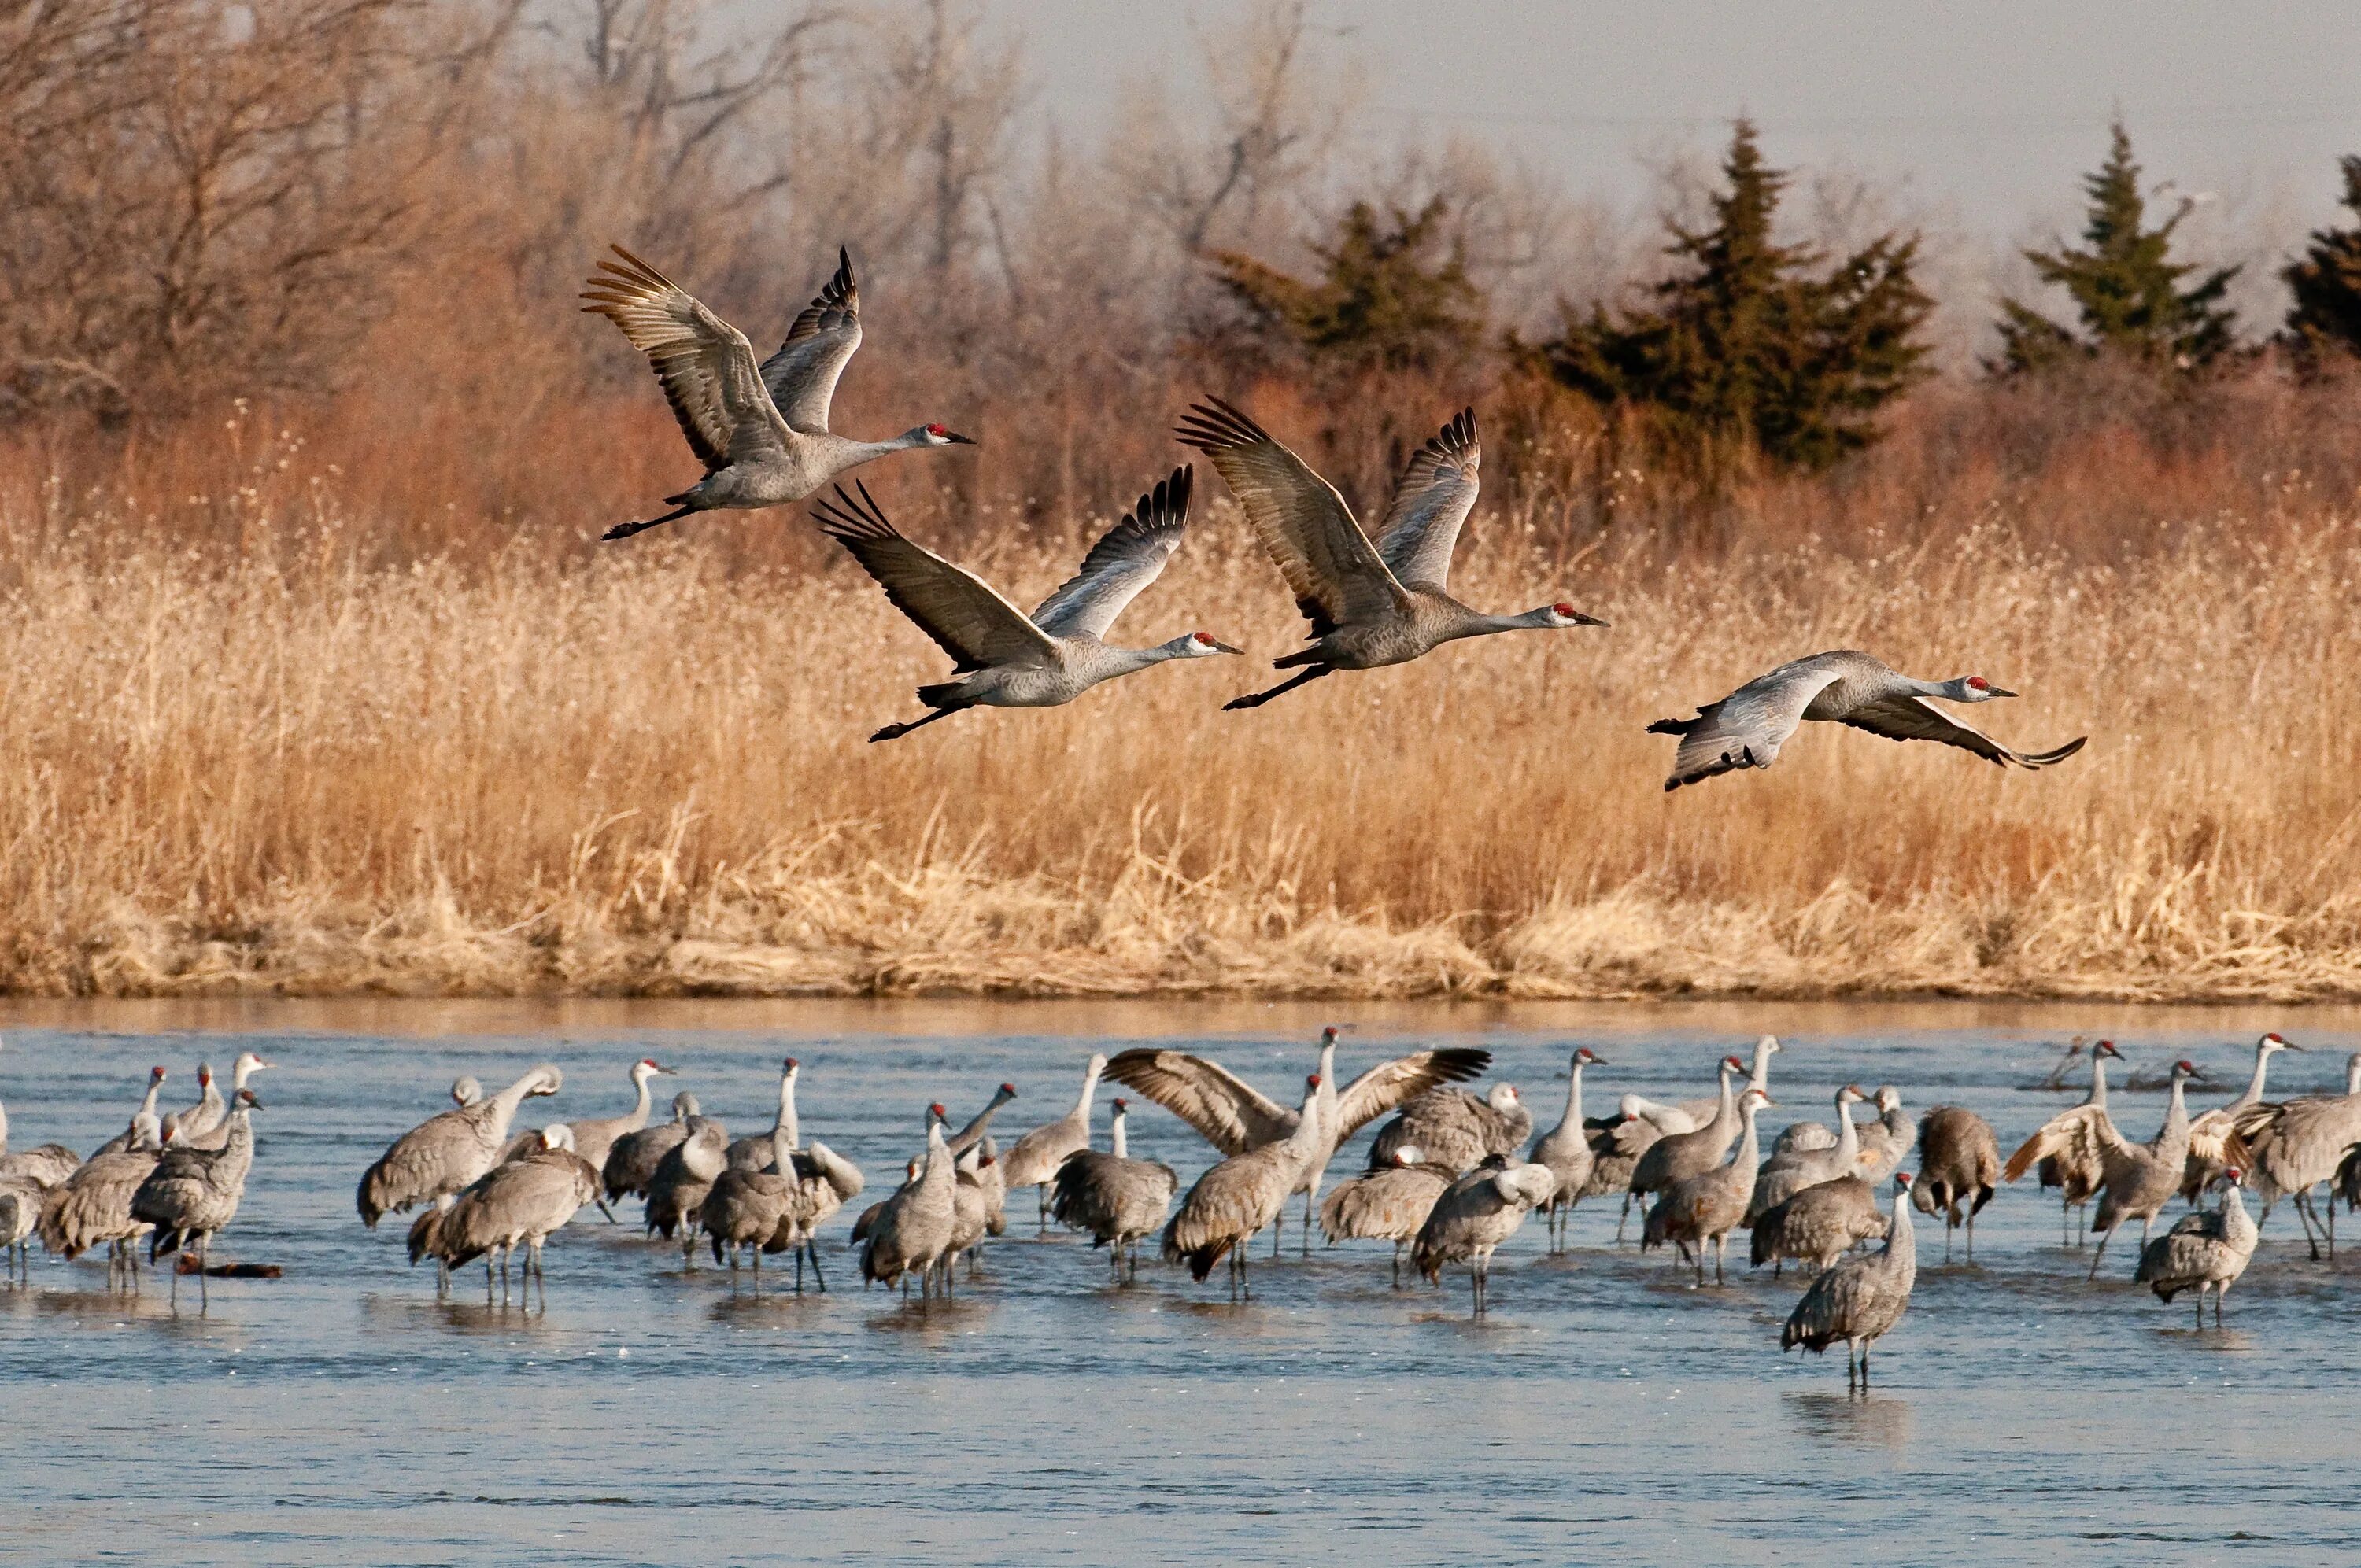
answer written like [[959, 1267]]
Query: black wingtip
[[1669, 726]]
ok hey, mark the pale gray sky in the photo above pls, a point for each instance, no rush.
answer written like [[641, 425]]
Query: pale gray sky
[[1990, 108]]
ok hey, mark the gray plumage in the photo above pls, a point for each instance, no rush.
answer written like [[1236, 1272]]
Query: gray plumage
[[208, 1114], [1112, 1198], [2213, 1143], [1454, 1131], [967, 1137], [147, 1127], [760, 430], [1389, 1202], [216, 1134], [2136, 1179], [1001, 657], [594, 1137], [682, 1178], [1747, 729], [2067, 1149], [1858, 1301], [444, 1152], [1238, 1197], [2203, 1251], [913, 1230], [1565, 1150], [1700, 1211], [1676, 1156], [633, 1158], [522, 1202], [194, 1193], [1886, 1142], [2294, 1146], [1817, 1225], [1368, 605], [1958, 1168], [1474, 1216], [1785, 1174], [1033, 1161], [1700, 1112]]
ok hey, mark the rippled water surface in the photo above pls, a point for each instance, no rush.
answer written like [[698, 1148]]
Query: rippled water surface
[[1603, 1410]]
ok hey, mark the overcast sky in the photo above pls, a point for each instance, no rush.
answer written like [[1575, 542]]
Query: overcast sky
[[1982, 114]]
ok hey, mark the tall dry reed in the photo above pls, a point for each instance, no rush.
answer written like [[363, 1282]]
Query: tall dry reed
[[251, 745]]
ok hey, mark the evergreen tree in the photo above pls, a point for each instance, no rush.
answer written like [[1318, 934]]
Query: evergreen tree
[[2326, 316], [2125, 284], [1746, 347], [1392, 292]]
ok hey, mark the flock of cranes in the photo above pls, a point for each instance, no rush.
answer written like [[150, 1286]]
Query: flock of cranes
[[1450, 1175], [762, 432]]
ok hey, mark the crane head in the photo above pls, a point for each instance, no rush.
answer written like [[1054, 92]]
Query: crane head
[[1590, 1058], [2275, 1041], [1008, 1092], [937, 435], [2106, 1048], [1975, 688], [1566, 615], [1122, 1106], [1200, 645], [1903, 1180]]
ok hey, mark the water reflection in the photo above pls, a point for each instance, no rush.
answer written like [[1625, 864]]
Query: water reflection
[[1879, 1418]]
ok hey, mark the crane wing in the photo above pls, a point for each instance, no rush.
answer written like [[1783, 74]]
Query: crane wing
[[803, 374], [1123, 562], [1337, 573], [1916, 719], [2085, 1131], [704, 364], [1746, 728], [1437, 490], [967, 619], [2214, 1139], [1390, 1084], [1231, 1114]]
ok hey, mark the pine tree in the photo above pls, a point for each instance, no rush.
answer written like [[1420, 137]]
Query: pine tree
[[1747, 347], [2124, 285], [1392, 294], [2326, 316]]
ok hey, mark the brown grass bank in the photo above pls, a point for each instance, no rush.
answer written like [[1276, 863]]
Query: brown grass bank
[[250, 749]]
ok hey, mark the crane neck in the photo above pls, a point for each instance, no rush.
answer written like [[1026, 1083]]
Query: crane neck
[[2098, 1080], [146, 1105], [1747, 1146], [643, 1103], [1116, 1139], [786, 1122], [1899, 1238], [2353, 1076], [783, 1152], [2254, 1093], [1847, 1136], [3, 1126], [1090, 1091], [1574, 1095], [1761, 1077], [1304, 1141]]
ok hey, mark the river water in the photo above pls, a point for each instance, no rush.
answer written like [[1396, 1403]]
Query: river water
[[1603, 1411]]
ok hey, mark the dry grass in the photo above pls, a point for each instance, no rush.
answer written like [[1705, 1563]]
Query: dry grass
[[287, 758]]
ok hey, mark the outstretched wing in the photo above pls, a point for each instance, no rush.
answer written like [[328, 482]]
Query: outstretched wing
[[1390, 1084], [1337, 573], [1746, 728], [2086, 1132], [704, 364], [1130, 557], [803, 374], [1916, 719], [967, 619], [2214, 1140], [1437, 491], [1231, 1114]]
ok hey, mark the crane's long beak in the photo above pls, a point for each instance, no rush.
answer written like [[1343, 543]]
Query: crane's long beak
[[1582, 619], [956, 438], [2000, 691], [1225, 648]]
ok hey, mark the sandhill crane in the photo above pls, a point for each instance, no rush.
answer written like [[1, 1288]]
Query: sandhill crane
[[1699, 1211], [1616, 1145], [208, 1114], [754, 1152], [2203, 1252], [1565, 1150], [761, 432], [216, 1136], [2210, 1134], [686, 1174], [1386, 1202], [1117, 1198], [594, 1137], [1785, 1174], [522, 1202], [1859, 1300], [465, 1091], [1958, 1168], [93, 1206], [1235, 1199], [426, 1239], [1676, 1156], [2136, 1179], [634, 1157], [1700, 1112], [1817, 1225], [1886, 1142], [45, 1167], [2066, 1146], [802, 1187], [1369, 606], [1474, 1216], [146, 1124], [444, 1152], [1234, 1117], [1034, 1161], [20, 1214], [970, 1214], [2294, 1146], [1455, 1131], [1746, 728], [748, 1204], [912, 1231], [967, 1137], [194, 1193], [1001, 657]]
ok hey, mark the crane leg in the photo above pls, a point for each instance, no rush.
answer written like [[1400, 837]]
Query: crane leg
[[2105, 1237], [1307, 1224], [1721, 1251], [1041, 1216], [625, 530], [1971, 1238], [813, 1247], [1258, 699], [1278, 1225], [896, 731], [204, 1255], [2331, 1220], [1624, 1219]]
